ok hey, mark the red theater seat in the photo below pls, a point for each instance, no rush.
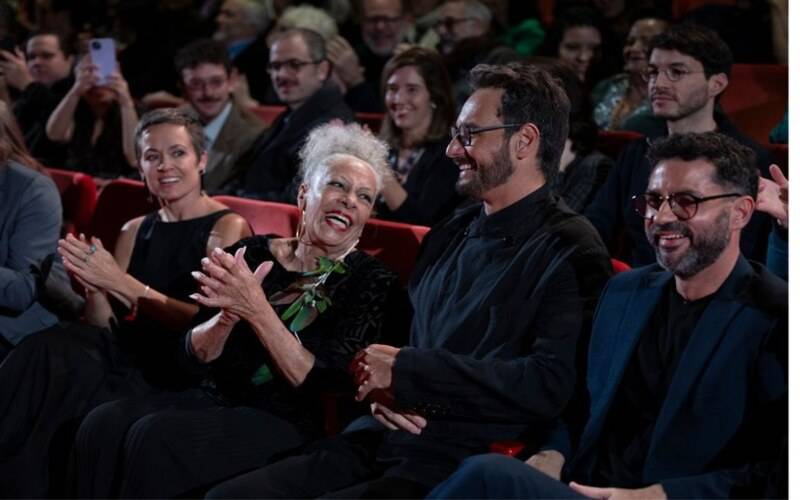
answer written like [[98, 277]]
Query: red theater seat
[[120, 201], [268, 113], [394, 243], [756, 98], [372, 120], [78, 198], [611, 142], [265, 217]]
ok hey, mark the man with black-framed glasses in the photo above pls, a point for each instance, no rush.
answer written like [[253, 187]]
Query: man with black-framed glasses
[[688, 367], [503, 294], [300, 71], [688, 69]]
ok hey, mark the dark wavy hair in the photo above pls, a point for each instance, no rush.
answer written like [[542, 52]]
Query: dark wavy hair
[[530, 95], [735, 164], [699, 42], [431, 68], [204, 51]]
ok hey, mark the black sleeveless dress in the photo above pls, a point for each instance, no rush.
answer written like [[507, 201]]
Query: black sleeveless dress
[[54, 378]]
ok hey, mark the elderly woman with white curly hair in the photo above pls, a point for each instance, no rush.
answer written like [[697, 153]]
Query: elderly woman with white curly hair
[[283, 318]]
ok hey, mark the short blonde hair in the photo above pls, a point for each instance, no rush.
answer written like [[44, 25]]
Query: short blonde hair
[[311, 18], [331, 141]]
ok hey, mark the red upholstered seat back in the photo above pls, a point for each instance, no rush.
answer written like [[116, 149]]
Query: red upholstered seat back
[[120, 201], [756, 98], [78, 198]]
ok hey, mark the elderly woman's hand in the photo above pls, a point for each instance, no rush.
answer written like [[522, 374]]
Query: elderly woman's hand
[[227, 283], [89, 262]]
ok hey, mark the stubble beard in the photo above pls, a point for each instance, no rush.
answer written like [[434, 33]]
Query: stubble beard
[[487, 177]]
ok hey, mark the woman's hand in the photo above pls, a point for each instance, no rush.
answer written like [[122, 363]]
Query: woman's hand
[[208, 339], [773, 196], [119, 85], [89, 262], [227, 283], [86, 77]]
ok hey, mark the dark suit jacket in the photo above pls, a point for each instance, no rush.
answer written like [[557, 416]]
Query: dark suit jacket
[[271, 165], [236, 137], [721, 427]]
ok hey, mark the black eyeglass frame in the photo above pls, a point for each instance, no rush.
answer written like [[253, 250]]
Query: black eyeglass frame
[[641, 205], [293, 64], [456, 133]]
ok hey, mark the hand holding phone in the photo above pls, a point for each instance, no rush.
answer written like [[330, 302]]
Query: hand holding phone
[[103, 55]]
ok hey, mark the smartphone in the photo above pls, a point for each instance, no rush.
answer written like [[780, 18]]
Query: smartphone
[[104, 56]]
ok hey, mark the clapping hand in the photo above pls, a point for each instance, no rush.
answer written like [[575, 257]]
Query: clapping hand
[[87, 260], [773, 196], [15, 69]]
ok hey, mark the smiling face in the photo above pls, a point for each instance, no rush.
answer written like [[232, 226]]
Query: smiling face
[[294, 87], [687, 247], [408, 101], [486, 164], [692, 95], [168, 162], [208, 88], [338, 203], [579, 47], [383, 25]]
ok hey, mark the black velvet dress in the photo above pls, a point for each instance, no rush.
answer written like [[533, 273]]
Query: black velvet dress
[[55, 377], [165, 445]]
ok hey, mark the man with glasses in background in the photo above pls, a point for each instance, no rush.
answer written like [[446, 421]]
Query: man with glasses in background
[[300, 72], [503, 295], [205, 71], [384, 25], [687, 371], [688, 70]]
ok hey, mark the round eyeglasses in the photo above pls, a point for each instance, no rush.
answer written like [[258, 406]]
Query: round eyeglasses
[[683, 205]]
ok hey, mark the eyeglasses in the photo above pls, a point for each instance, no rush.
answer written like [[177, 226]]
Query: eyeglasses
[[464, 134], [448, 23], [674, 73], [375, 20], [293, 65], [195, 85], [683, 205]]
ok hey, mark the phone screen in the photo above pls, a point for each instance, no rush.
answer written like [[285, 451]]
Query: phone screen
[[103, 55]]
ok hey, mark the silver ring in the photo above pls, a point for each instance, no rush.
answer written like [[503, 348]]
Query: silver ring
[[92, 249]]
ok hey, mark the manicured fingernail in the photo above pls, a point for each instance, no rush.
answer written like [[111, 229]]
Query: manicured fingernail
[[197, 275], [194, 296], [218, 251]]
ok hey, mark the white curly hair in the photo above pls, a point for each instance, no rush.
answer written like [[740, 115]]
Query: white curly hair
[[329, 142]]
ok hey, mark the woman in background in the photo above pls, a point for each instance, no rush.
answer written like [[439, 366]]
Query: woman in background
[[419, 112]]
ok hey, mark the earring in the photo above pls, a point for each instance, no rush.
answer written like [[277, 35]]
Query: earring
[[299, 231], [433, 105]]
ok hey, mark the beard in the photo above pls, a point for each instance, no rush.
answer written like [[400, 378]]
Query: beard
[[704, 249], [487, 176]]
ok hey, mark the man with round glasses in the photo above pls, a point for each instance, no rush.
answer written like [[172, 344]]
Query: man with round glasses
[[687, 373], [300, 72], [688, 70], [207, 80]]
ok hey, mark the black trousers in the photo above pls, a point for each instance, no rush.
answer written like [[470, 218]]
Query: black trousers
[[345, 466], [47, 384], [173, 444]]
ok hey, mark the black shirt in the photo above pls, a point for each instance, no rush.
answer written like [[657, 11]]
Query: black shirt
[[632, 418]]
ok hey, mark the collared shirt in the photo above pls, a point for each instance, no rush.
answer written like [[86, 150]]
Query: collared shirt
[[213, 127]]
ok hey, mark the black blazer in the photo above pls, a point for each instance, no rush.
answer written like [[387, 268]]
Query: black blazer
[[270, 168]]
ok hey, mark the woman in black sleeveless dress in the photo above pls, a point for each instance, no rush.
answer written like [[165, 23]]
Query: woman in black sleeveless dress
[[55, 377]]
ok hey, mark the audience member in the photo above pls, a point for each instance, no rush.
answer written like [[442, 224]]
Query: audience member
[[241, 26], [466, 38], [299, 71], [266, 367], [579, 38], [96, 121], [582, 169], [501, 294], [422, 189], [307, 17], [135, 304], [384, 26], [688, 69], [688, 372], [625, 94], [30, 221], [230, 131], [41, 78]]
